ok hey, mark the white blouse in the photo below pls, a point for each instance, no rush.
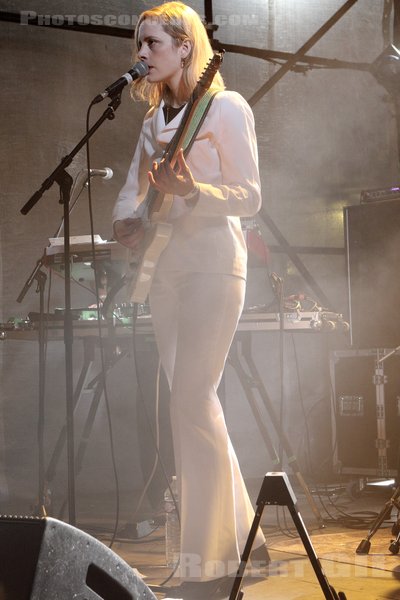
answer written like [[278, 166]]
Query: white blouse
[[206, 237]]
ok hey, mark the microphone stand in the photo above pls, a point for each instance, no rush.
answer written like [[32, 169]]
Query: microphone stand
[[64, 180]]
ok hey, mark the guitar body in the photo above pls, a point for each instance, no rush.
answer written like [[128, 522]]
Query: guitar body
[[142, 266]]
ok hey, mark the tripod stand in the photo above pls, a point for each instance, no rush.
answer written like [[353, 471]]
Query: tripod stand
[[365, 544]]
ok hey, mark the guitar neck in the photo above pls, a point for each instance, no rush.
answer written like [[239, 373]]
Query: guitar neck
[[154, 198], [177, 141]]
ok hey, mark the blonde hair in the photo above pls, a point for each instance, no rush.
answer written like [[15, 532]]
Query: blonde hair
[[182, 23]]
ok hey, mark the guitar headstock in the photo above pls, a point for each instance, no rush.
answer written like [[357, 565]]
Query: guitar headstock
[[207, 76]]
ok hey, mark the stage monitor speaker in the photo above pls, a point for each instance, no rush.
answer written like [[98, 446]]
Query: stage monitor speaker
[[45, 559], [372, 239]]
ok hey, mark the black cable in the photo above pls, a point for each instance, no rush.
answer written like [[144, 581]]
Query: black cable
[[301, 397], [354, 520], [359, 519], [285, 529], [45, 493], [277, 287], [396, 23], [101, 345], [281, 367], [144, 539], [73, 203]]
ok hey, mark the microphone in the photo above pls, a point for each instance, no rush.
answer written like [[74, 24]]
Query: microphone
[[140, 69], [106, 173]]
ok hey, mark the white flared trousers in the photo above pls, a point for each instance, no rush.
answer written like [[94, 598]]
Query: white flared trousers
[[195, 316]]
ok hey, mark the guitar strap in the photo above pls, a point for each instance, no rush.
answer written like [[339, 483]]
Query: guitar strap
[[196, 122], [161, 211], [198, 118]]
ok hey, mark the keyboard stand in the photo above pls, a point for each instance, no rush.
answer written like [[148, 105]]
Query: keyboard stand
[[240, 358]]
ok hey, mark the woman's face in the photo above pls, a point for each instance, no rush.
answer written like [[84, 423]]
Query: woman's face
[[158, 50]]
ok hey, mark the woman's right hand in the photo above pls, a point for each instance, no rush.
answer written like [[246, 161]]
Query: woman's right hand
[[129, 232]]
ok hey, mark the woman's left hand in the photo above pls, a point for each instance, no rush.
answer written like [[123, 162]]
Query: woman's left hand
[[165, 179]]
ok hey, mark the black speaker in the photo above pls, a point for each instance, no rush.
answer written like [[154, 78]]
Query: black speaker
[[45, 559], [372, 239]]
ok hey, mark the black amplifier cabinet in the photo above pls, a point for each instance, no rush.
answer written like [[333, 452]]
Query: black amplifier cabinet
[[366, 412], [372, 239]]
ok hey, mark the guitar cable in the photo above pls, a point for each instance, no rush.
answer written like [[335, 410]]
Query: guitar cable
[[101, 344]]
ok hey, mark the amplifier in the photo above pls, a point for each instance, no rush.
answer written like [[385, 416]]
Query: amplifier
[[372, 251]]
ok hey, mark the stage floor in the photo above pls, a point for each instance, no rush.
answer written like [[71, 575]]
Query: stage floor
[[290, 574], [347, 516]]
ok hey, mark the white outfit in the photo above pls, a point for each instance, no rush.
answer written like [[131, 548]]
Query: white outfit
[[196, 300]]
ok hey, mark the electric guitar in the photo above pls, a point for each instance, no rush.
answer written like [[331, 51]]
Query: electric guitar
[[155, 207]]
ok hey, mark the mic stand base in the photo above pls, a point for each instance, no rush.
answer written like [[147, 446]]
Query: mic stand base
[[365, 544]]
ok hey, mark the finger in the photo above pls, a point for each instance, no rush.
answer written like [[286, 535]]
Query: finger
[[155, 170], [152, 181], [184, 167], [166, 170], [161, 170], [180, 154], [181, 158]]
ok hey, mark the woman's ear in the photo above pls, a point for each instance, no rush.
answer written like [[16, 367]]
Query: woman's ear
[[186, 48]]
